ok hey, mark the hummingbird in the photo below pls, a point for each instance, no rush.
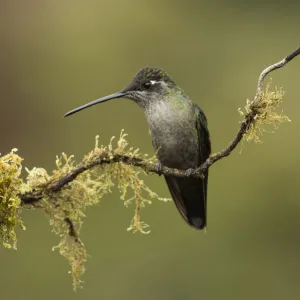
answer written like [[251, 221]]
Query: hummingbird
[[179, 134]]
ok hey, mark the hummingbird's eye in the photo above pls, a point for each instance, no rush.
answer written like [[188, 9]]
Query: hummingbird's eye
[[147, 85]]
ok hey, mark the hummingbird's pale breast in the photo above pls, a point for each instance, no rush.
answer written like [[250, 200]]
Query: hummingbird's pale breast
[[173, 131]]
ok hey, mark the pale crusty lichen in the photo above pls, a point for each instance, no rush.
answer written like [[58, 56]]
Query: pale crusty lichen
[[70, 202], [266, 113], [10, 187]]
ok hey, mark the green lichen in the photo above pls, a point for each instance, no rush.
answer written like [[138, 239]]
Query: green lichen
[[266, 112], [10, 187]]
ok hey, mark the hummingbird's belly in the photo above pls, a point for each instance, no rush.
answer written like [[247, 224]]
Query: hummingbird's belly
[[174, 133], [177, 149]]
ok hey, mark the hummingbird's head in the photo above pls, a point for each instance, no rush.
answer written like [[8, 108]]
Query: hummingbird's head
[[148, 85]]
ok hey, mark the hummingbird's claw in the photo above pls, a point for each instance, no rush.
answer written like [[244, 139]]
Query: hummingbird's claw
[[189, 172], [158, 168]]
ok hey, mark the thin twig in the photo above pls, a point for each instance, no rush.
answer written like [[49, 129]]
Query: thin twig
[[72, 230], [108, 158]]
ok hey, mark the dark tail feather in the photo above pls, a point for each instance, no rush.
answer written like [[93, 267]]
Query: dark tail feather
[[189, 195]]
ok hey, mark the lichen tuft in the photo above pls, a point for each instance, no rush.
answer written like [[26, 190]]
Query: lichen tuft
[[66, 208], [10, 187], [265, 110]]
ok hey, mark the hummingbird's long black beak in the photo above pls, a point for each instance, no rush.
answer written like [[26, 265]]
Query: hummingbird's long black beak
[[106, 98]]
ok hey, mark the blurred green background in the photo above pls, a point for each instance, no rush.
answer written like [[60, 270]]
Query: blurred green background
[[57, 55]]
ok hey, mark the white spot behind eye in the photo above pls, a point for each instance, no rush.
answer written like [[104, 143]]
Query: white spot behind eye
[[153, 81]]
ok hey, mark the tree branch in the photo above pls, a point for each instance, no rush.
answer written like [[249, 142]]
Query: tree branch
[[103, 158], [112, 157]]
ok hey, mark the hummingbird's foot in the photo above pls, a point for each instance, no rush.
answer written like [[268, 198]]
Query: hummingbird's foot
[[158, 168], [189, 172]]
